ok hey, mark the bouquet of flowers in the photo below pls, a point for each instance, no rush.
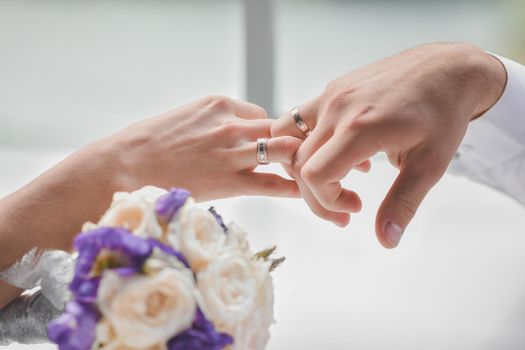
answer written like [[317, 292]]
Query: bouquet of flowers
[[157, 272]]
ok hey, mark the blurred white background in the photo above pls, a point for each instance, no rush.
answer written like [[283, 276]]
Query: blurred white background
[[73, 71]]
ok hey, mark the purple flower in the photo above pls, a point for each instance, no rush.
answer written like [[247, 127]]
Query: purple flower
[[75, 328], [201, 336], [169, 204], [85, 289], [126, 251], [218, 218], [169, 250], [127, 256]]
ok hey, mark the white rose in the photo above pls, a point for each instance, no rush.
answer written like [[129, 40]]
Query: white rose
[[236, 294], [159, 261], [200, 237], [236, 238], [254, 332], [135, 211], [145, 311], [106, 339]]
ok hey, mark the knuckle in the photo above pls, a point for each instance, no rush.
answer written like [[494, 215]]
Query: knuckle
[[355, 125], [321, 212], [291, 145], [274, 129], [364, 120], [297, 164], [217, 102], [260, 111], [229, 130], [278, 127], [209, 99], [311, 174], [336, 102], [333, 86], [337, 97], [328, 203]]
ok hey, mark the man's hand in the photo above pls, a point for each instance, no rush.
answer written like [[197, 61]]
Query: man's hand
[[415, 106]]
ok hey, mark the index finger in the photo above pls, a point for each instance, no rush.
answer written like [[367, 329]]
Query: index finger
[[340, 219], [324, 170]]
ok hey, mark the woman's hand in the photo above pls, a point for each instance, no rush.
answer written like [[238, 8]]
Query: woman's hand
[[414, 106], [208, 147]]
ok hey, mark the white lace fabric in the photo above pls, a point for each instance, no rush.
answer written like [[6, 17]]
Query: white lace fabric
[[51, 270]]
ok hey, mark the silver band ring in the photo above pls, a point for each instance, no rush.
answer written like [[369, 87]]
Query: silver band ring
[[300, 122], [262, 151]]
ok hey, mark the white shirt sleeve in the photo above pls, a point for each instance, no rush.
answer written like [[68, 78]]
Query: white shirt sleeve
[[493, 150]]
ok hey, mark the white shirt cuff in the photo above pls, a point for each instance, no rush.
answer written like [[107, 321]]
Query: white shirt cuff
[[493, 149]]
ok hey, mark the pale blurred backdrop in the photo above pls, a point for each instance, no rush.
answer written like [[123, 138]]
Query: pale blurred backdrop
[[74, 71]]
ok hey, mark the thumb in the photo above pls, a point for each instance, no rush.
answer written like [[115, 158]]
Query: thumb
[[414, 181]]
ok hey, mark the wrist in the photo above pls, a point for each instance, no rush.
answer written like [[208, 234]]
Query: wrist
[[80, 188], [476, 77], [50, 210], [496, 85], [105, 165], [489, 77], [118, 159]]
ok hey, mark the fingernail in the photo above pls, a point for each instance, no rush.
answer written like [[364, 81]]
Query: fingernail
[[393, 233]]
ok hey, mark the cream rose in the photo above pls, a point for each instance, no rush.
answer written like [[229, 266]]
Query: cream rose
[[135, 211], [228, 289], [236, 238], [200, 237], [106, 339], [236, 293], [145, 311], [254, 332]]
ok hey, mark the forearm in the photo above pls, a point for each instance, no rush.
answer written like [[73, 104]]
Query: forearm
[[50, 210]]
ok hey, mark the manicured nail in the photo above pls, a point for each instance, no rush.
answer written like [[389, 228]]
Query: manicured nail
[[393, 233]]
